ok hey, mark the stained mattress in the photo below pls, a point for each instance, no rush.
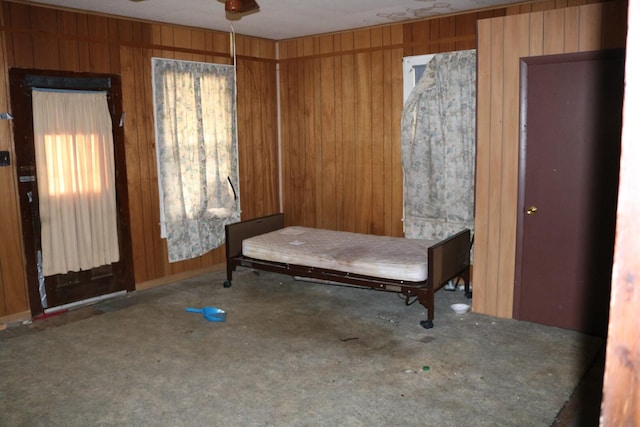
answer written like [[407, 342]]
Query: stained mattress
[[385, 257]]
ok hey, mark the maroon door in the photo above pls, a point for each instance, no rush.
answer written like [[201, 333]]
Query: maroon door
[[571, 120]]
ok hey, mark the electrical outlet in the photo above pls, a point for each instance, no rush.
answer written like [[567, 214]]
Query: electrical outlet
[[4, 158]]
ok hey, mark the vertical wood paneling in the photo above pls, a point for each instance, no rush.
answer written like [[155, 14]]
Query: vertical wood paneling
[[515, 47], [483, 166], [363, 122], [495, 160], [465, 26], [341, 104], [590, 28], [397, 197], [46, 51], [536, 34], [447, 32], [84, 47], [21, 44], [553, 37], [13, 295], [338, 113], [45, 38], [377, 134], [318, 162], [257, 125], [351, 91], [134, 179], [327, 170], [308, 96], [386, 122], [244, 149], [69, 49], [501, 43], [348, 142], [570, 35], [99, 54]]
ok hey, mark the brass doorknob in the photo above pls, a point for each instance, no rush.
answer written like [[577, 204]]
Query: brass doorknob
[[531, 210]]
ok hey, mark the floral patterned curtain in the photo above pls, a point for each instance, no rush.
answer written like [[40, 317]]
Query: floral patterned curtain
[[438, 148], [197, 152]]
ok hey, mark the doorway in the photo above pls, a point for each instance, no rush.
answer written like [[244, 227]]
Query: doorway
[[571, 121], [56, 290]]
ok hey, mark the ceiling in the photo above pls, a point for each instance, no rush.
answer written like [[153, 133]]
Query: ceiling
[[278, 19]]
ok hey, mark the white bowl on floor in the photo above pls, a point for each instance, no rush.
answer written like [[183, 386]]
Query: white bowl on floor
[[460, 308]]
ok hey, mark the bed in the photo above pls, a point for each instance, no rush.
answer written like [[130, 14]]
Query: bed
[[412, 267]]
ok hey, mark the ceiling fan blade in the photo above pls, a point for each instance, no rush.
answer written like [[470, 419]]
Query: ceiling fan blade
[[240, 6]]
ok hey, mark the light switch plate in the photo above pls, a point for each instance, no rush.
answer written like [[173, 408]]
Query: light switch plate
[[4, 158]]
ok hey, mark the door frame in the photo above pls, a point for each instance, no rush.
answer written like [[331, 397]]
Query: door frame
[[522, 157], [22, 108]]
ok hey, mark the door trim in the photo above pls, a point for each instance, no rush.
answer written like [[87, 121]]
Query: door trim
[[21, 80]]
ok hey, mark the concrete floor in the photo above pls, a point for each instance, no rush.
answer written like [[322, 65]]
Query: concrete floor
[[291, 353]]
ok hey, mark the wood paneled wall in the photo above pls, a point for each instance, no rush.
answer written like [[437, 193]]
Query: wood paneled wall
[[45, 38], [501, 44], [13, 292], [341, 108], [340, 97]]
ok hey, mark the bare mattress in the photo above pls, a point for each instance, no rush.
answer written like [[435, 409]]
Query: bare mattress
[[385, 257]]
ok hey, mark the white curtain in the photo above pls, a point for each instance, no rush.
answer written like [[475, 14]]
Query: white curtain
[[197, 154], [76, 186], [438, 148]]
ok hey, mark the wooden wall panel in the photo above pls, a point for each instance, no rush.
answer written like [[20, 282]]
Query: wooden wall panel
[[347, 142], [341, 101], [502, 42], [340, 98], [46, 38], [340, 139], [257, 127], [13, 294]]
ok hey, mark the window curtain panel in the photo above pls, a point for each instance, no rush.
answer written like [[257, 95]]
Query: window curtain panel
[[438, 148], [197, 154], [73, 140]]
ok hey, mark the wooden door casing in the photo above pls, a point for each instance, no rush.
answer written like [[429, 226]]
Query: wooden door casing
[[72, 287], [570, 150]]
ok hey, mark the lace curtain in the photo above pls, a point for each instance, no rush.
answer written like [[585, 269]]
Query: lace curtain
[[438, 148], [197, 154], [73, 140]]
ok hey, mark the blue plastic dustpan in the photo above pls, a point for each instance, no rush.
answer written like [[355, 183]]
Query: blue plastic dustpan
[[212, 314]]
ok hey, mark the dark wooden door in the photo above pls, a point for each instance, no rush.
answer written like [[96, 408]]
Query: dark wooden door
[[571, 122], [61, 289]]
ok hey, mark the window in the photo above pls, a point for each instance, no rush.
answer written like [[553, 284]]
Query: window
[[196, 147], [413, 68]]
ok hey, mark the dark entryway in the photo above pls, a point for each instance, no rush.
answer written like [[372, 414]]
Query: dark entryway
[[571, 120], [61, 289]]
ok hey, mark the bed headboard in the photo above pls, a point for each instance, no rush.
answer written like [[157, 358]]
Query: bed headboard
[[236, 233]]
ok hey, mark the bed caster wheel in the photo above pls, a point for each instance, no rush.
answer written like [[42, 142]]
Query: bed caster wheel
[[427, 324], [227, 283]]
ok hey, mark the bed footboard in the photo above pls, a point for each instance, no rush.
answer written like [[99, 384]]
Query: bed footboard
[[448, 259]]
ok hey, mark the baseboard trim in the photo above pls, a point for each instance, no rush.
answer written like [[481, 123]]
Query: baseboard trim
[[180, 276], [16, 317]]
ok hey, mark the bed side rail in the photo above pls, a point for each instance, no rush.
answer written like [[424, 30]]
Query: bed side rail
[[236, 233], [450, 258]]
